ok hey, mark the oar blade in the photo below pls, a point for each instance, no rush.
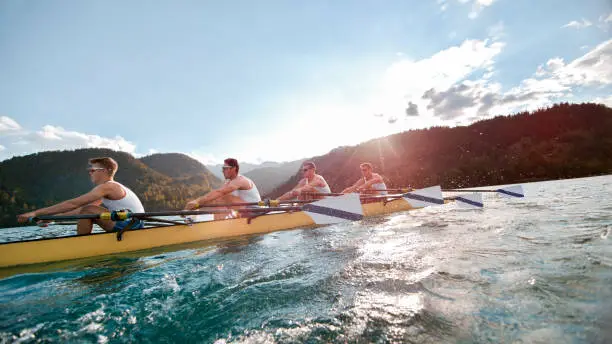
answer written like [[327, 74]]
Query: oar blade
[[511, 191], [335, 209], [470, 201], [425, 197]]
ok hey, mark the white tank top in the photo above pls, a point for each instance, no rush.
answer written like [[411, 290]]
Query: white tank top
[[250, 195], [378, 186], [129, 201], [321, 189]]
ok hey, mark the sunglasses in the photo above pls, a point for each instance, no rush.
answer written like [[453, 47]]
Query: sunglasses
[[94, 169], [226, 167]]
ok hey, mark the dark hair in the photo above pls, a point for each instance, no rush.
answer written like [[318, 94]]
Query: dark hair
[[310, 164], [108, 163], [233, 163]]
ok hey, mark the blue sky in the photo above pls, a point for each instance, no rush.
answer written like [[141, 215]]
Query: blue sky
[[281, 80]]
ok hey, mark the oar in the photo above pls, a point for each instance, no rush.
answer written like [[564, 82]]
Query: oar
[[263, 203], [326, 211], [508, 191]]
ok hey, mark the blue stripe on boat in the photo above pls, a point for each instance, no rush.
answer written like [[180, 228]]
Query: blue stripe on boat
[[332, 212]]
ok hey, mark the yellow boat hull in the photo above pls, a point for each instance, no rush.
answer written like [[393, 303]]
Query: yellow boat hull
[[77, 247]]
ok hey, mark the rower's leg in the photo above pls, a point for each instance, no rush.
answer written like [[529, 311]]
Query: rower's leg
[[85, 226], [225, 199]]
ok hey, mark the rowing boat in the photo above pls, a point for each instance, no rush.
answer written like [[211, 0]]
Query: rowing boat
[[317, 213]]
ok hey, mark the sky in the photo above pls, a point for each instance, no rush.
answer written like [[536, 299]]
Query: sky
[[282, 80]]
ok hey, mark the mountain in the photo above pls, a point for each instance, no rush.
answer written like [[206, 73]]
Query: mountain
[[182, 169], [42, 179], [273, 175], [563, 141], [245, 167]]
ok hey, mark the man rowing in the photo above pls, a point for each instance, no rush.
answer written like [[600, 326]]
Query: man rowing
[[107, 195], [371, 183], [309, 186], [236, 189]]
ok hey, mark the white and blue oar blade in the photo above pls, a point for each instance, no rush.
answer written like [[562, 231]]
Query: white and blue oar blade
[[470, 201], [511, 191], [335, 209], [425, 197]]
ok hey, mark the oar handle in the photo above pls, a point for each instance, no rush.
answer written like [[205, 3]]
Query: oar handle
[[64, 217]]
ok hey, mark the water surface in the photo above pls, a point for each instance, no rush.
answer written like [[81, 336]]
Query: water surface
[[532, 270]]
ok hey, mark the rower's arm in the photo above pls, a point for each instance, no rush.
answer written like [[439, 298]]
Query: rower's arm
[[72, 204], [213, 195], [293, 193], [375, 180], [353, 187]]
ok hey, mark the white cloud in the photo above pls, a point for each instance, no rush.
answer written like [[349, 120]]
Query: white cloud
[[404, 82], [605, 22], [8, 124], [607, 101], [22, 142], [2, 148], [555, 81], [578, 24], [592, 69]]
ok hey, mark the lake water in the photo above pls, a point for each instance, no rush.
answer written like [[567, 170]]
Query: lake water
[[531, 270]]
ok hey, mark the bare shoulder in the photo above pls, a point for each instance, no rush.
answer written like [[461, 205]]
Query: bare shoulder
[[109, 189], [242, 182]]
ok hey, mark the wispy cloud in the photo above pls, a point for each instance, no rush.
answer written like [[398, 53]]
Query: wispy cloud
[[8, 124], [605, 22], [477, 6], [578, 24], [19, 141]]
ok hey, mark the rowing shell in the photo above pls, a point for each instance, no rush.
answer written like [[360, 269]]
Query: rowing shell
[[76, 247], [327, 211]]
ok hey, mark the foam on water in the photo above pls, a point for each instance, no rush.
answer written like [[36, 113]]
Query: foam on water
[[536, 269]]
